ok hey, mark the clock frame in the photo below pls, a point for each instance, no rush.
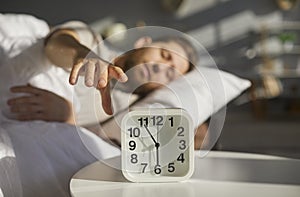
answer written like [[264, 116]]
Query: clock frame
[[157, 145]]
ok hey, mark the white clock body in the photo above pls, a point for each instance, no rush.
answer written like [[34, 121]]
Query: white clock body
[[157, 145]]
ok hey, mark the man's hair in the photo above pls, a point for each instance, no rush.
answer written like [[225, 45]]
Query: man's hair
[[187, 46]]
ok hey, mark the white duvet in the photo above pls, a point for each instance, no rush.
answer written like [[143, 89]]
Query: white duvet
[[44, 156], [38, 158]]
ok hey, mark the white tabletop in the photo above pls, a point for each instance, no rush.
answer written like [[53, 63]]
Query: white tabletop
[[216, 174]]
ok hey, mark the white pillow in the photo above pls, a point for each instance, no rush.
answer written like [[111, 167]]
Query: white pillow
[[201, 93]]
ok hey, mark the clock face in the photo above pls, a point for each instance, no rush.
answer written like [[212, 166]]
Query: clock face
[[157, 145]]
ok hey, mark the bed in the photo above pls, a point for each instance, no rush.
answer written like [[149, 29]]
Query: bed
[[38, 158]]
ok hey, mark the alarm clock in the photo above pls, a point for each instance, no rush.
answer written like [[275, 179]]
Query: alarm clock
[[157, 145]]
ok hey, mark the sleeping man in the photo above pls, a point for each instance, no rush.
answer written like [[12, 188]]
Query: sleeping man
[[47, 151], [149, 66]]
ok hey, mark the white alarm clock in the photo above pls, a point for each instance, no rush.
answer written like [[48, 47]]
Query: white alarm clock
[[157, 145]]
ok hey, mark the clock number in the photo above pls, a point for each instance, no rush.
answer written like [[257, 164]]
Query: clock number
[[182, 145], [171, 167], [144, 167], [157, 169], [181, 157], [159, 120], [180, 131], [143, 121], [134, 132], [156, 120], [171, 121], [132, 145], [134, 158]]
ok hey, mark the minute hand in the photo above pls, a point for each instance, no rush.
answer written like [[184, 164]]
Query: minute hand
[[155, 143]]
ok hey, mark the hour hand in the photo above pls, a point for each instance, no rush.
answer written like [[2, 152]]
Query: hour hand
[[151, 135]]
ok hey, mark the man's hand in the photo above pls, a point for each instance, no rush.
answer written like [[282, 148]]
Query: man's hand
[[40, 104], [97, 73], [64, 50]]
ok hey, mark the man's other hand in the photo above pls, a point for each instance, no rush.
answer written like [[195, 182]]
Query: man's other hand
[[40, 104]]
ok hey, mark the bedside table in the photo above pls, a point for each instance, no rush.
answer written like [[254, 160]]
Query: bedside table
[[216, 174]]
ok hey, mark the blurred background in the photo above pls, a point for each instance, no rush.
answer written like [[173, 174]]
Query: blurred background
[[258, 40]]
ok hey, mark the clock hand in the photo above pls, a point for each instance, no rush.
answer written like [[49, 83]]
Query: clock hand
[[157, 153], [155, 142], [157, 146], [150, 135]]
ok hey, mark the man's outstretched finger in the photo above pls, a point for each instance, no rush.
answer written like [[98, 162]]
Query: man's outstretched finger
[[106, 100], [117, 73], [103, 77], [75, 73], [89, 74]]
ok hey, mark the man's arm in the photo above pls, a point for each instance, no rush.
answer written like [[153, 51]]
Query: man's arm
[[63, 48]]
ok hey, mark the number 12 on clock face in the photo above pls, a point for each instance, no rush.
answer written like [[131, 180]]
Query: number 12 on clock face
[[157, 145]]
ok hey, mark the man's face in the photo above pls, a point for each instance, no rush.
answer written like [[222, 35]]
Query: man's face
[[155, 65]]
